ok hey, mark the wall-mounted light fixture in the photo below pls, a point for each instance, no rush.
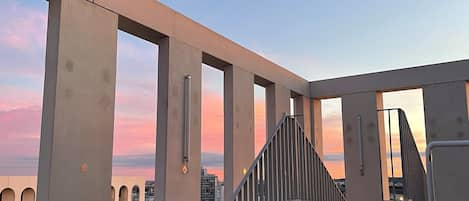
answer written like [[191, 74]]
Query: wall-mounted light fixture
[[187, 118]]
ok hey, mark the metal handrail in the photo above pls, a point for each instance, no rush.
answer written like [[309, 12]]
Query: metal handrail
[[428, 152]]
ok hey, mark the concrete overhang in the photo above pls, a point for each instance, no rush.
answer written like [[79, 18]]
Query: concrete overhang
[[401, 79], [151, 20]]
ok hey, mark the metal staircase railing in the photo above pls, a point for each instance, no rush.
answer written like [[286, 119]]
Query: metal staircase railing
[[287, 169], [413, 172]]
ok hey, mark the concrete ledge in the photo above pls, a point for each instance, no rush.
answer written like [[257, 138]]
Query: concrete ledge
[[401, 79]]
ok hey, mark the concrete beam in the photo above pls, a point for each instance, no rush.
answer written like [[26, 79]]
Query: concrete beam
[[364, 147], [239, 126], [277, 103], [446, 118], [75, 161], [176, 60], [158, 17], [409, 78]]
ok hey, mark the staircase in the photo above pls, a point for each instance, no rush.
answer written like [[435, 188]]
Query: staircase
[[288, 169]]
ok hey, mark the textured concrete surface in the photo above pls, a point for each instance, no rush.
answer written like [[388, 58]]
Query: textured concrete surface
[[176, 60], [78, 106], [446, 118], [239, 126], [372, 185]]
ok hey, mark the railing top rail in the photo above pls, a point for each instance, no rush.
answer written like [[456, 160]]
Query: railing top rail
[[428, 152]]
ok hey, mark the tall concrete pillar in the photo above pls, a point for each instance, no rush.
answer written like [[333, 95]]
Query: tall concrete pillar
[[177, 60], [239, 126], [75, 161], [303, 110], [446, 118], [277, 103], [316, 126], [364, 147]]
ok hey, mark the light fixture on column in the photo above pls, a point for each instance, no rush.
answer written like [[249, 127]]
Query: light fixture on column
[[187, 115]]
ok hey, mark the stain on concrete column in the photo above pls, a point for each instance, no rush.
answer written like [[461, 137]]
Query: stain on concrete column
[[78, 108], [364, 147]]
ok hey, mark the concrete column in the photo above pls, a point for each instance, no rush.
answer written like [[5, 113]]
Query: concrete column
[[239, 126], [303, 110], [75, 161], [446, 118], [176, 60], [316, 126], [369, 183], [277, 103]]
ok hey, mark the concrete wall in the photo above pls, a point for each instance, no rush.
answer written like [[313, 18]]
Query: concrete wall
[[177, 60], [239, 126], [20, 184], [446, 118], [365, 148], [78, 104]]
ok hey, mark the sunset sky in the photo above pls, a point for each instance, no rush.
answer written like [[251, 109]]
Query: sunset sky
[[315, 39]]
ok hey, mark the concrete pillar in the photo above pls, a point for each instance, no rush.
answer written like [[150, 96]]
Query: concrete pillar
[[446, 118], [176, 60], [303, 110], [75, 161], [277, 103], [316, 126], [369, 183], [239, 126]]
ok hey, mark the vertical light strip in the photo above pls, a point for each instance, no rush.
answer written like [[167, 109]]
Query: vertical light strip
[[187, 119], [360, 145]]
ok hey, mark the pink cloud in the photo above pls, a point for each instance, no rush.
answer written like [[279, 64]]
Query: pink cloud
[[20, 130], [15, 97]]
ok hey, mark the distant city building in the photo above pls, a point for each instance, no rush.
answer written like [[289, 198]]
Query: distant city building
[[208, 184], [150, 191], [220, 191], [396, 187]]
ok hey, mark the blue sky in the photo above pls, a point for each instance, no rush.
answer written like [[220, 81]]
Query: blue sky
[[324, 39], [315, 39]]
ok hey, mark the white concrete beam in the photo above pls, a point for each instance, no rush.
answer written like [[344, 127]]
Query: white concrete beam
[[176, 60], [401, 79], [364, 147], [78, 108], [239, 126]]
